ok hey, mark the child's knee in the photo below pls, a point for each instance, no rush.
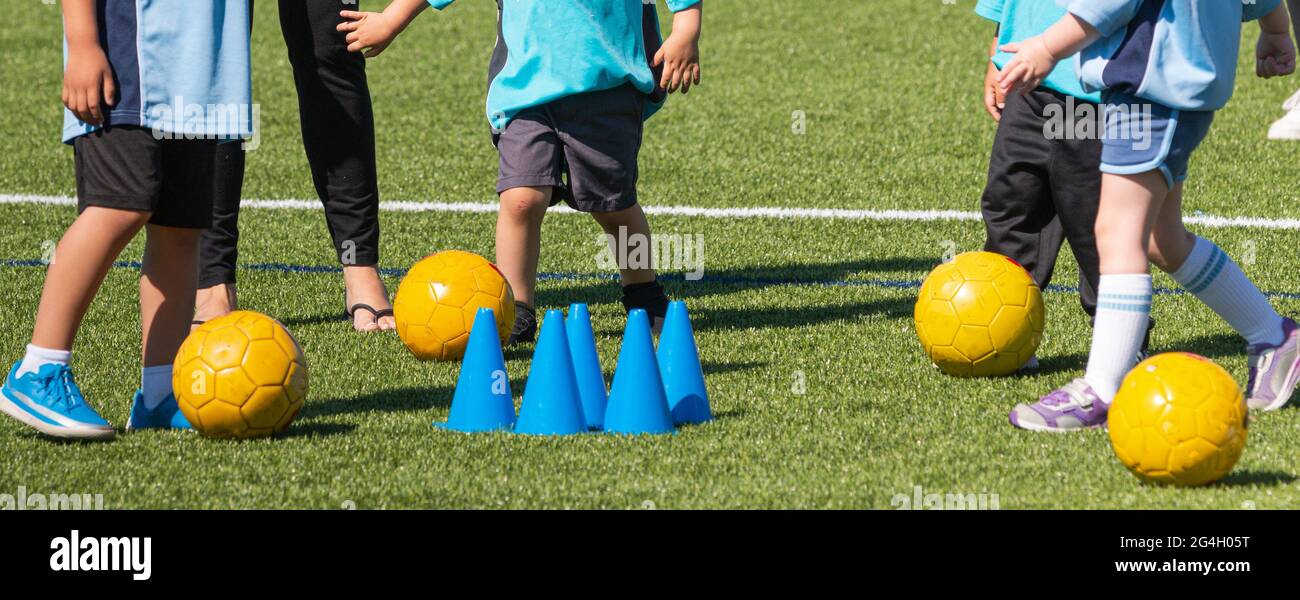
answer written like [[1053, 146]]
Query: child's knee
[[524, 203]]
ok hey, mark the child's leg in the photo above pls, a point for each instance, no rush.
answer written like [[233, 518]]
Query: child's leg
[[1206, 271], [40, 390], [81, 261], [167, 284], [1202, 268], [629, 224], [640, 288], [519, 238], [1129, 205]]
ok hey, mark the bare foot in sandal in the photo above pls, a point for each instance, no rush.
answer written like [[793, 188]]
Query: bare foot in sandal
[[212, 302], [367, 300]]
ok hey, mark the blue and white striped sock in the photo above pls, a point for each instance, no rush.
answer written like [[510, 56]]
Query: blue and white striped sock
[[1123, 310], [1217, 281]]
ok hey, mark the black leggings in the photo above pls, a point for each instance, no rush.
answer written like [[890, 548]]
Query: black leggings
[[338, 132]]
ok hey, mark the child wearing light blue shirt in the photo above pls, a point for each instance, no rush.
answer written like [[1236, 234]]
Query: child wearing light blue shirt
[[1164, 67], [150, 90]]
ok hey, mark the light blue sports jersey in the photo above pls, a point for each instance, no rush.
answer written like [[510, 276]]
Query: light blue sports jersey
[[550, 49], [1179, 53], [1019, 20], [181, 66]]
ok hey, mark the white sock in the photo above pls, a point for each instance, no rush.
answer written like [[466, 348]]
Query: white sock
[[38, 357], [1123, 310], [156, 383], [1218, 282]]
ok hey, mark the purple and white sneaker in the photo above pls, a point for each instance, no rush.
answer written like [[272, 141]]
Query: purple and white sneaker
[[1274, 370], [1073, 407]]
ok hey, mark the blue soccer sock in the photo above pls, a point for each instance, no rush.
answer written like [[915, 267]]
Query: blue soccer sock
[[1217, 281], [1123, 310], [156, 383]]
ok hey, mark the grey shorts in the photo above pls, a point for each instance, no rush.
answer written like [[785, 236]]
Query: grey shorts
[[584, 146]]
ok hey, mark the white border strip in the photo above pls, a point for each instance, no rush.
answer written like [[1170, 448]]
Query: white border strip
[[1209, 221]]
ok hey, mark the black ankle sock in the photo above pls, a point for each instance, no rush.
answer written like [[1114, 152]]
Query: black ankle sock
[[524, 328], [524, 314], [649, 296]]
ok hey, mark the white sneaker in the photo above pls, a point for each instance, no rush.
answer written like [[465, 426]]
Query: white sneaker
[[1288, 127]]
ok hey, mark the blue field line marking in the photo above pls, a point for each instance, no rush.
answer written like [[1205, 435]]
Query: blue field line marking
[[893, 284]]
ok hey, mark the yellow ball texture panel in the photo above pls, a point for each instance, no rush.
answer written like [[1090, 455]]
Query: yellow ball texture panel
[[436, 303], [1014, 289], [240, 376], [980, 315], [979, 301], [973, 342], [268, 368], [265, 407], [234, 386], [1178, 419], [937, 322], [220, 420], [224, 347]]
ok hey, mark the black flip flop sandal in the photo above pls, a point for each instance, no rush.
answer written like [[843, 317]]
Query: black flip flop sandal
[[350, 313]]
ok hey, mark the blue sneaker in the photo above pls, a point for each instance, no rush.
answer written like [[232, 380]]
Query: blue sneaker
[[167, 415], [50, 402]]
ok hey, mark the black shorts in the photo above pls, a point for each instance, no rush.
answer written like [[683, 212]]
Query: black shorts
[[584, 146], [126, 168]]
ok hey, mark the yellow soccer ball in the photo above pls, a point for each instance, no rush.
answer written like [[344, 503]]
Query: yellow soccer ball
[[240, 376], [436, 303], [1178, 419], [980, 315]]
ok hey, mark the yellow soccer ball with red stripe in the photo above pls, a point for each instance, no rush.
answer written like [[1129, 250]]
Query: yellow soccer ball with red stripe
[[437, 300], [240, 376], [1178, 419], [980, 315]]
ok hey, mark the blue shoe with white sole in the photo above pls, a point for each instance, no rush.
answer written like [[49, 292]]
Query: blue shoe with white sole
[[50, 402], [167, 415]]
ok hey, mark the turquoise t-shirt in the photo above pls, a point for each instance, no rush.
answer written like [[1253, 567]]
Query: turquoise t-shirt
[[1022, 19], [558, 48]]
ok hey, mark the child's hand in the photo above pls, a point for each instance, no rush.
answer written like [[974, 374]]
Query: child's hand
[[369, 31], [1032, 64], [88, 84], [680, 55], [1275, 55], [994, 99]]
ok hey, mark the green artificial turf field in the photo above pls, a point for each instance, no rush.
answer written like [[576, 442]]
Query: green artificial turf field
[[822, 395]]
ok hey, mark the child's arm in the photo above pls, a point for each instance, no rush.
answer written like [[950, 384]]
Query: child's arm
[[680, 53], [373, 32], [88, 83], [1037, 56], [1275, 53], [994, 99]]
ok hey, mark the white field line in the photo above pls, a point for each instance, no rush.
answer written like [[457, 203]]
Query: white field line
[[771, 212]]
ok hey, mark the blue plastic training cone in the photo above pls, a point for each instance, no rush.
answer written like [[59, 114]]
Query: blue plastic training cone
[[679, 366], [482, 401], [551, 405], [586, 365], [637, 403]]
